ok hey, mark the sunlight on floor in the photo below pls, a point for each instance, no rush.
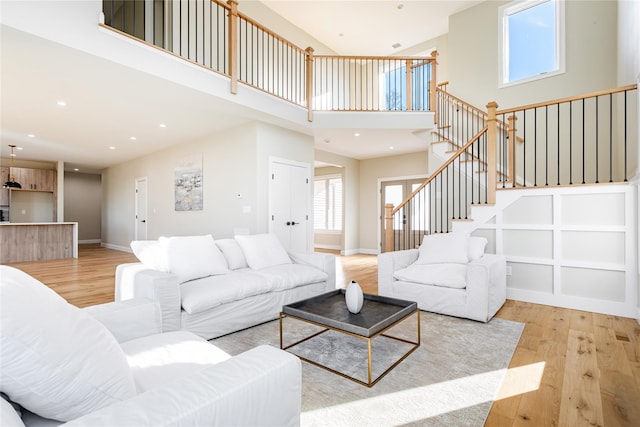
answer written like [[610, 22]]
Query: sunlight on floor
[[429, 401], [411, 405], [520, 380]]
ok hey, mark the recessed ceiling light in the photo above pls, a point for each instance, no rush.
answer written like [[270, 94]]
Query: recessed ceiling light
[[400, 6], [391, 148], [133, 138], [76, 169], [162, 125], [396, 45], [356, 134], [30, 135], [341, 35], [112, 148], [61, 103], [326, 141]]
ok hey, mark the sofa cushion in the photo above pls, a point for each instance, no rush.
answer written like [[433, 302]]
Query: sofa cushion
[[57, 360], [209, 292], [444, 248], [263, 250], [151, 253], [289, 276], [156, 360], [445, 275], [476, 247], [232, 253], [9, 415], [193, 257]]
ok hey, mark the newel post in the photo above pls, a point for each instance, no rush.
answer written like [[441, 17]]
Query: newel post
[[492, 143], [433, 84], [511, 129], [388, 227], [309, 82], [233, 44]]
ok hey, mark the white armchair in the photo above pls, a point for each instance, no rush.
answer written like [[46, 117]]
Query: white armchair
[[450, 274], [111, 365]]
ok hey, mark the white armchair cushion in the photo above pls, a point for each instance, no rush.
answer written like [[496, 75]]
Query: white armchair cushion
[[476, 247], [445, 275], [151, 253], [157, 360], [233, 253], [193, 257], [57, 360], [444, 248], [262, 250]]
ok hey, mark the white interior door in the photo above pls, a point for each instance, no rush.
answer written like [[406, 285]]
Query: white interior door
[[141, 209], [289, 200]]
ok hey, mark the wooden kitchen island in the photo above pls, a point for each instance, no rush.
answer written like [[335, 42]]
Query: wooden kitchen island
[[38, 241]]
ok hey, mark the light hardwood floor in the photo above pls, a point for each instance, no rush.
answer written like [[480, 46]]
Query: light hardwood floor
[[571, 368]]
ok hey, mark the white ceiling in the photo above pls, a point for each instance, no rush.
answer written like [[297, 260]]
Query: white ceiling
[[107, 103], [370, 28]]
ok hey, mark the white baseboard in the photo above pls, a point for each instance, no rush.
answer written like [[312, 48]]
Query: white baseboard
[[329, 247], [116, 247], [89, 241], [361, 251]]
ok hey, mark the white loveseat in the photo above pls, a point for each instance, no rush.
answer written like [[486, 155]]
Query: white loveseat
[[110, 365], [449, 274], [215, 287]]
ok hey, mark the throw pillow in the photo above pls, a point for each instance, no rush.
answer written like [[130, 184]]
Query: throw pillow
[[194, 257], [476, 247], [444, 248], [57, 361], [233, 253], [151, 254], [263, 250]]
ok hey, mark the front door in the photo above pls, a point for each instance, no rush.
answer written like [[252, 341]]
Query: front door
[[394, 193]]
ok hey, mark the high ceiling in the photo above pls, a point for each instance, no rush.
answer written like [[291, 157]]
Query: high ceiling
[[37, 73], [370, 28]]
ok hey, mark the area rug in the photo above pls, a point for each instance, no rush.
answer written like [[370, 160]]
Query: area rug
[[450, 380]]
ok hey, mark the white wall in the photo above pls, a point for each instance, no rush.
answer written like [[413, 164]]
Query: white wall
[[234, 162], [83, 204], [568, 246], [591, 46]]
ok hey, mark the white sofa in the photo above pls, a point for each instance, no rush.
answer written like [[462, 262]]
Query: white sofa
[[449, 274], [110, 365], [215, 287]]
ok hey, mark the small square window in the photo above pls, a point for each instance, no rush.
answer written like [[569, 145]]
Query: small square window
[[531, 40]]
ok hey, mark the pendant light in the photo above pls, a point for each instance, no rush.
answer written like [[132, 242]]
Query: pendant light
[[11, 183]]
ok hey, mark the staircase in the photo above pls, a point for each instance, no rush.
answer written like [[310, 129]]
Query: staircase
[[582, 140]]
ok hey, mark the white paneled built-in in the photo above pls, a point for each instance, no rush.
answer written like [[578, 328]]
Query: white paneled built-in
[[568, 247]]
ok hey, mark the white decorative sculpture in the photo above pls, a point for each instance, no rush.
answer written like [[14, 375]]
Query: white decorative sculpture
[[354, 297]]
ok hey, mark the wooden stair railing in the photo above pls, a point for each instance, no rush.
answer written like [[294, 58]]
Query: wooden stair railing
[[590, 133]]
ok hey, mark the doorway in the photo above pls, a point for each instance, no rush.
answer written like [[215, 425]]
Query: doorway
[[394, 192]]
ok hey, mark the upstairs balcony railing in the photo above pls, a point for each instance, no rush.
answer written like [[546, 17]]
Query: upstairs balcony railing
[[215, 35]]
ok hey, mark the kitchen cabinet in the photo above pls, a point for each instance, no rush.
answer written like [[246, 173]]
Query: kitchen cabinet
[[35, 179]]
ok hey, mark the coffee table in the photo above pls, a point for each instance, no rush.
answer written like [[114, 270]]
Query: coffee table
[[378, 314]]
